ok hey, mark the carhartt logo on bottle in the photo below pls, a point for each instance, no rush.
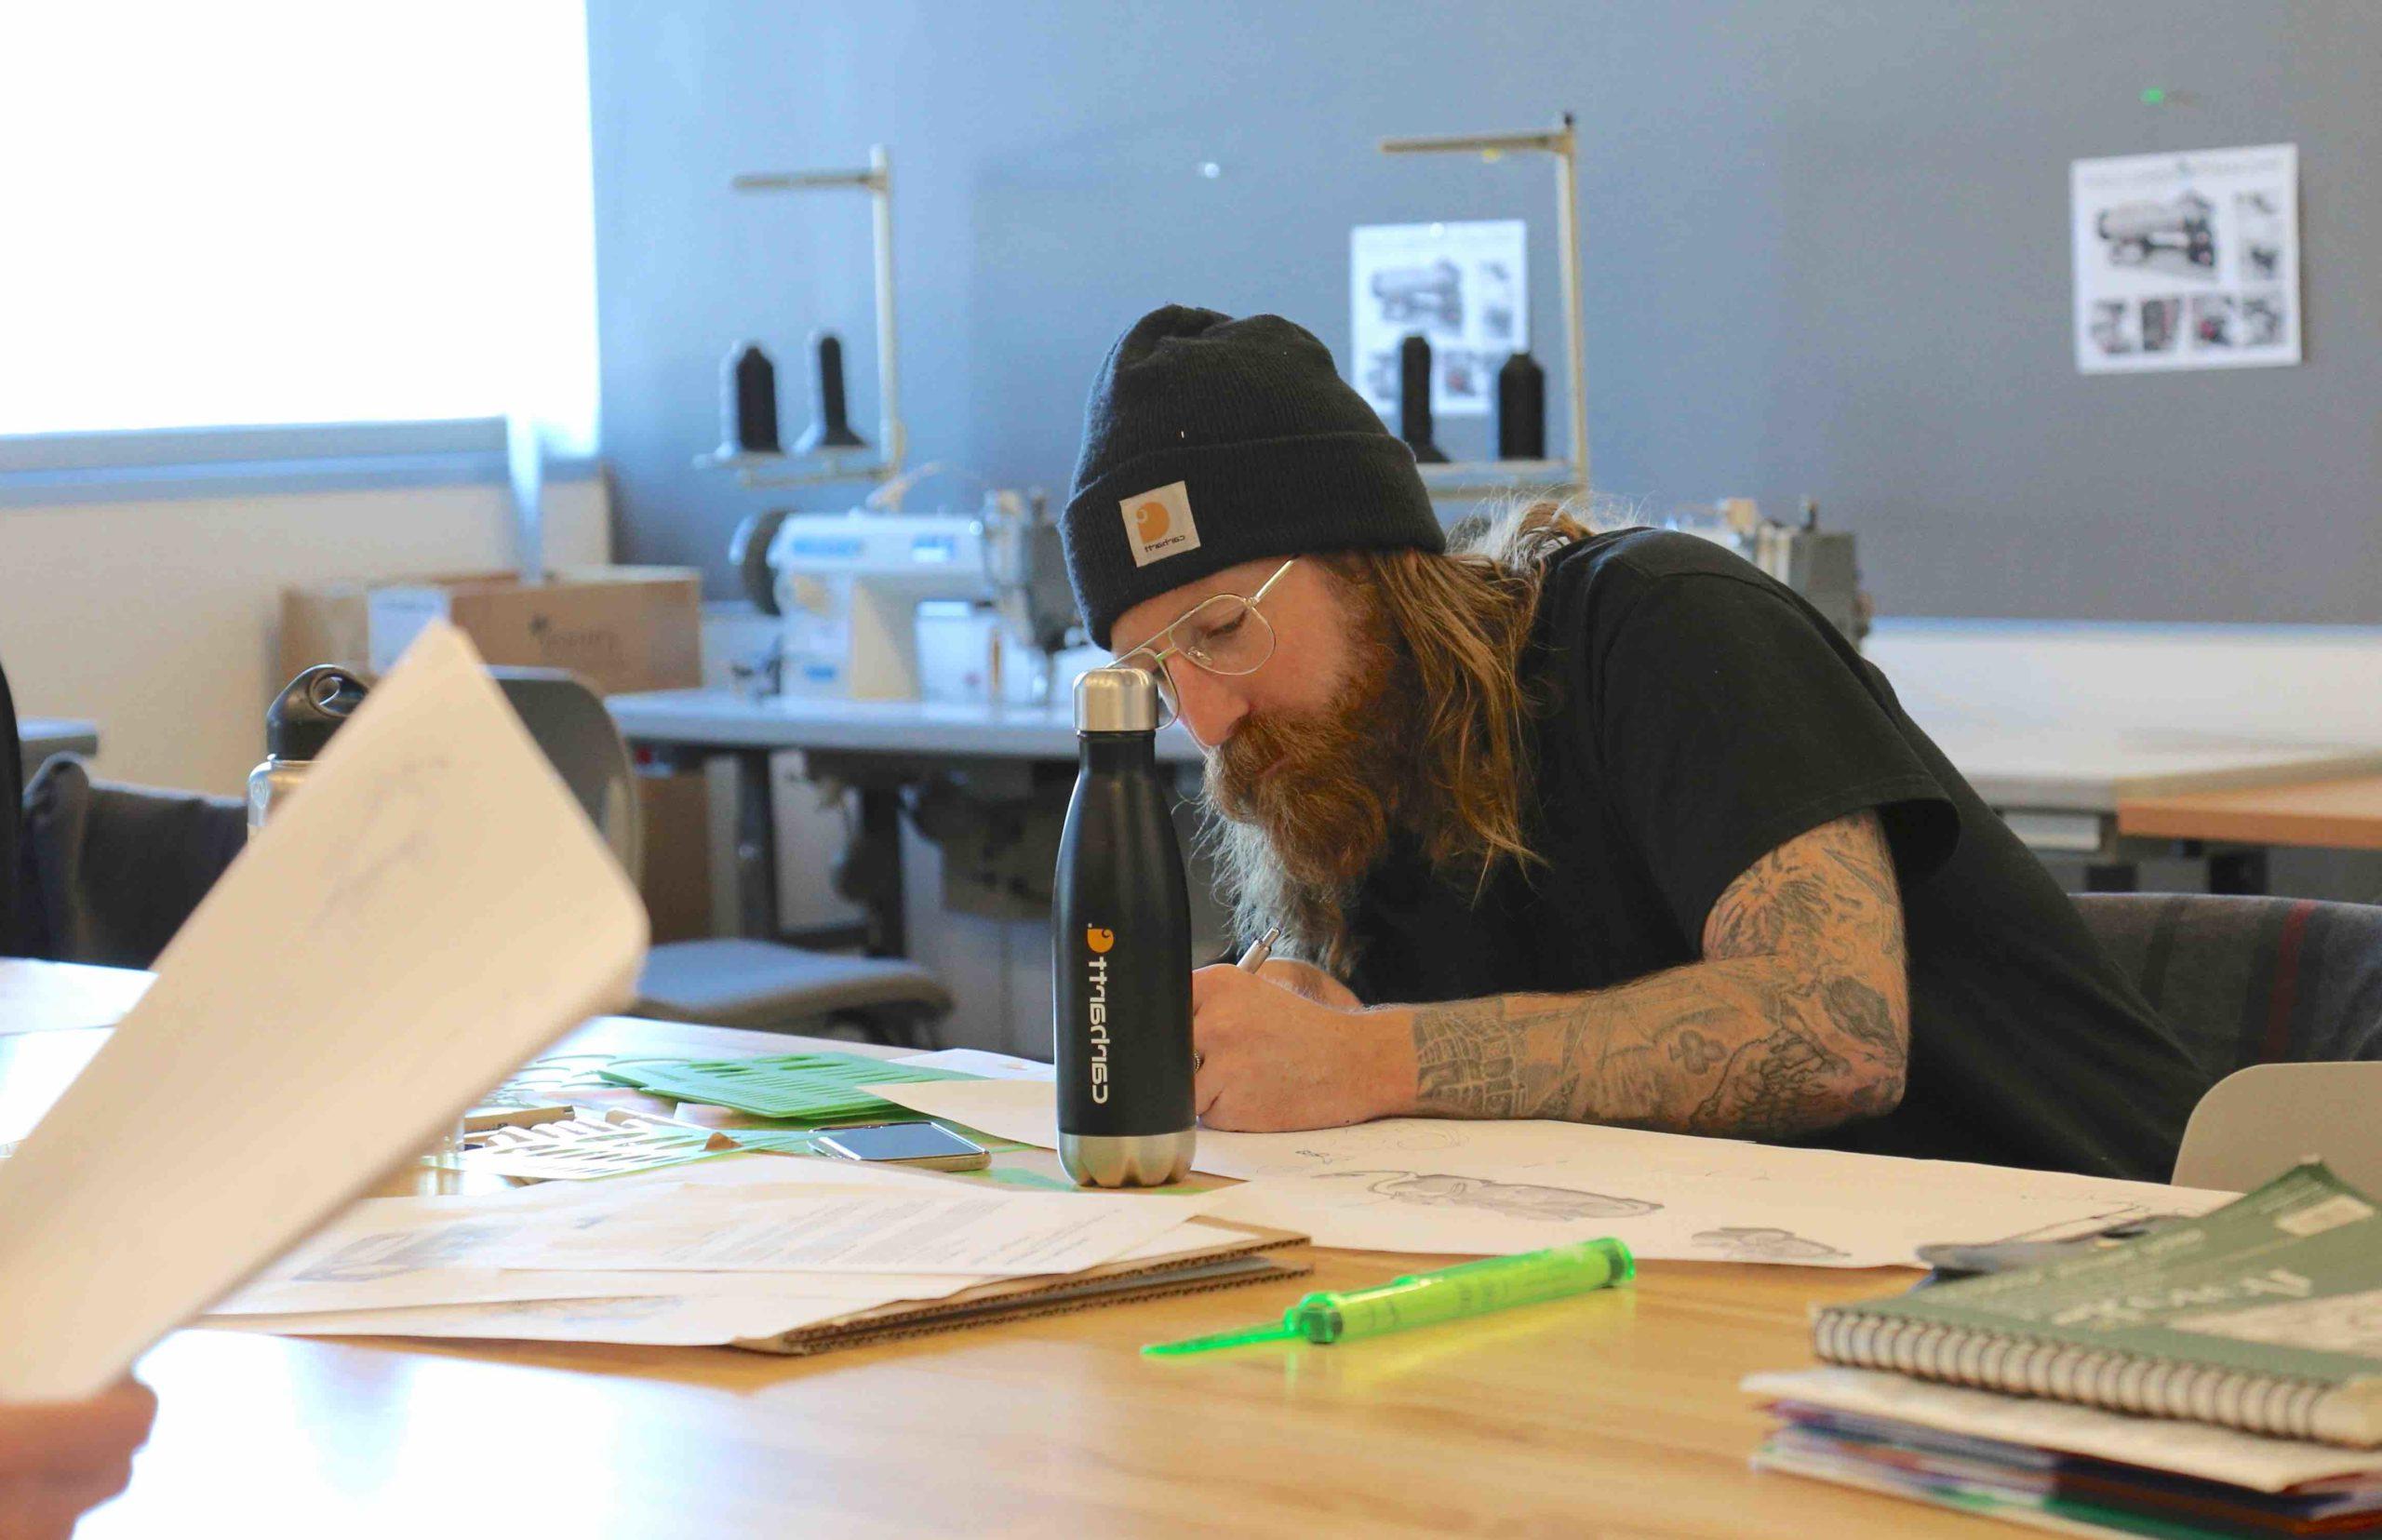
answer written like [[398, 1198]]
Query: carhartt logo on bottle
[[1158, 524], [1099, 939]]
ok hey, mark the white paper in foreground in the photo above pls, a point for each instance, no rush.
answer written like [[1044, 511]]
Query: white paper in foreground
[[66, 995], [1443, 1186], [2191, 1449], [430, 909], [707, 1310], [806, 1228], [691, 1318], [396, 1252]]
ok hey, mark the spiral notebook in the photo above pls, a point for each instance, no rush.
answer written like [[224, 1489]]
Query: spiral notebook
[[2264, 1316]]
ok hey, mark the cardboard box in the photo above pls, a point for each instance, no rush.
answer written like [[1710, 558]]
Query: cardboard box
[[326, 623], [619, 628], [678, 854]]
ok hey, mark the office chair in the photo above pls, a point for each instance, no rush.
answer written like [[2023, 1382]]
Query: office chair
[[12, 795], [2247, 980], [112, 870], [722, 981], [2277, 998]]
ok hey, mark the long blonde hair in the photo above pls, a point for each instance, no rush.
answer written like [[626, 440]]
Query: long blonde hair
[[1457, 623]]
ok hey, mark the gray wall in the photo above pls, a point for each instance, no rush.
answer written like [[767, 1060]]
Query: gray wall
[[1826, 251]]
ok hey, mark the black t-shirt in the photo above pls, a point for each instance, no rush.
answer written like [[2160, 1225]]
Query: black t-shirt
[[1701, 716]]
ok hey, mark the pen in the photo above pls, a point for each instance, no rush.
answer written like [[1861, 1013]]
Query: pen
[[1251, 961], [1421, 1299]]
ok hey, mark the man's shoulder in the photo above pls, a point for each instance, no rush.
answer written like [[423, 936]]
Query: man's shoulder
[[1617, 558], [1599, 578]]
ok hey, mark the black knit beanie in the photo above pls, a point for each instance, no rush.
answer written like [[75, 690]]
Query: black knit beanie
[[1209, 441]]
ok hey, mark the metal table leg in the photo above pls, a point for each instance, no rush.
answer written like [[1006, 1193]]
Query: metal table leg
[[756, 845], [2111, 876], [2237, 871], [880, 825]]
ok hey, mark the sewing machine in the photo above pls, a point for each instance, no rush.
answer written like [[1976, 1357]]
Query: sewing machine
[[1818, 563], [847, 589]]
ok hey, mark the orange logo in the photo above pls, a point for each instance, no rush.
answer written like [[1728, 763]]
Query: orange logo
[[1100, 940], [1150, 522]]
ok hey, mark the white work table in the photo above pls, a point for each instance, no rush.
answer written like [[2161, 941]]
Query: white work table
[[874, 746], [721, 718]]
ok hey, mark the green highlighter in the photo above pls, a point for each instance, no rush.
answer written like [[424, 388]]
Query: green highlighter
[[1423, 1299]]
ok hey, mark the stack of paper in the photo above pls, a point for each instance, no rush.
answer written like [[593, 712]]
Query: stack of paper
[[744, 1248], [2179, 1384], [2075, 1469], [1437, 1186]]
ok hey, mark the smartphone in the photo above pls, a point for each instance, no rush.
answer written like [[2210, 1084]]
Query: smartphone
[[928, 1144]]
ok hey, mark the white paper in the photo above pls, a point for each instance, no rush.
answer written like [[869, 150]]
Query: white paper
[[975, 1060], [700, 1309], [2187, 1448], [805, 1228], [63, 995], [687, 1319], [1461, 285], [1443, 1186], [430, 909], [396, 1252], [2187, 260]]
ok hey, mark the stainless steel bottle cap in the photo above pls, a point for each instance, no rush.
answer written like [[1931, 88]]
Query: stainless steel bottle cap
[[1115, 700]]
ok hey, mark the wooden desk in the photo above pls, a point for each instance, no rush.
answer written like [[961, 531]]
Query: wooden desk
[[2343, 814], [1616, 1414]]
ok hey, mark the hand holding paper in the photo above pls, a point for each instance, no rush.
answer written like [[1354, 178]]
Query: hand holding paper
[[430, 910]]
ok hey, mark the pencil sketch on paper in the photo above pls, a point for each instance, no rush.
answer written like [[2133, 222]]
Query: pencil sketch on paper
[[391, 1252], [1391, 1140], [394, 836], [1764, 1244], [1514, 1199]]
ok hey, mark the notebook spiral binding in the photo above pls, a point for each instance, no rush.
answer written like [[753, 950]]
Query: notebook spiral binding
[[2018, 1364]]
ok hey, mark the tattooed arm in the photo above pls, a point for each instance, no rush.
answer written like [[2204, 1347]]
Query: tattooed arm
[[1798, 1018]]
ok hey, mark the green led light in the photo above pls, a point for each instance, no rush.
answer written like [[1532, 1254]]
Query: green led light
[[2152, 96]]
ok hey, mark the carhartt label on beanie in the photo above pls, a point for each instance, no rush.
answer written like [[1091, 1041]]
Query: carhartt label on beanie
[[1159, 523], [1209, 442]]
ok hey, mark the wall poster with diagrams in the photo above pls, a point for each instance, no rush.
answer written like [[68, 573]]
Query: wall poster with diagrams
[[1459, 283], [2187, 262]]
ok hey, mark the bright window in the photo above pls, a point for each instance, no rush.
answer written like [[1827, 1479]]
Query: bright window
[[294, 211]]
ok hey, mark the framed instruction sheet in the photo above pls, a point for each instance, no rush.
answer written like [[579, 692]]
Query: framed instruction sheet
[[2187, 260], [1460, 284]]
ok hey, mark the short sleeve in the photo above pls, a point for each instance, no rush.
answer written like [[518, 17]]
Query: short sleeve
[[1727, 722]]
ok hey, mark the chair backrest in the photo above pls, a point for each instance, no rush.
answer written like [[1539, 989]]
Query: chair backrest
[[114, 870], [2246, 980], [2261, 1121], [12, 795], [567, 720]]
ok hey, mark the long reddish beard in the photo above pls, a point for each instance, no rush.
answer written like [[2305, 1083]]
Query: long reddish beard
[[1301, 806]]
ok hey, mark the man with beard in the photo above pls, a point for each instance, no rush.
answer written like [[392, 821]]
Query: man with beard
[[1600, 827]]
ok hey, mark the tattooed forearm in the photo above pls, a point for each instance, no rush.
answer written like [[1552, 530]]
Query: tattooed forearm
[[1797, 1019]]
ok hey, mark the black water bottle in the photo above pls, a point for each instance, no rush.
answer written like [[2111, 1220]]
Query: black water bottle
[[1121, 963]]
